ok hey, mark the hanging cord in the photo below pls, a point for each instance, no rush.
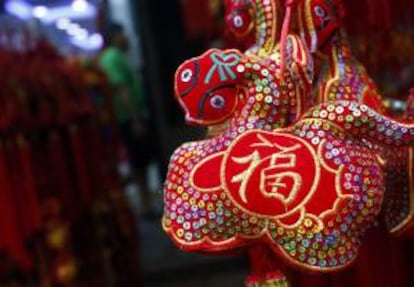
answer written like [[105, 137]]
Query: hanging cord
[[284, 34], [289, 4]]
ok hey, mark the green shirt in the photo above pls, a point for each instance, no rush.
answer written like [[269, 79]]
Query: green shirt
[[120, 73]]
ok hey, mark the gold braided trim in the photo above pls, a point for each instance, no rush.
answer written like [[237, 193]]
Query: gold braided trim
[[270, 283]]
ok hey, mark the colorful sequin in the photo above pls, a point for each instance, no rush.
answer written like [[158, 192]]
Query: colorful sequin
[[309, 190]]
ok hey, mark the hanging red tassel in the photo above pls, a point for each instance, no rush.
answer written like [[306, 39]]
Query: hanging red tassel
[[14, 173], [264, 265], [60, 167], [11, 237], [284, 34], [80, 164], [31, 199], [91, 142]]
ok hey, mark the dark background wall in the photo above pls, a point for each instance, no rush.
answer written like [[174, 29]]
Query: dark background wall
[[165, 48]]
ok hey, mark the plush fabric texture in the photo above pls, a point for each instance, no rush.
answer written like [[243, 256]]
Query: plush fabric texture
[[318, 21], [308, 191], [253, 19], [206, 88], [240, 18], [341, 77], [300, 165], [398, 208]]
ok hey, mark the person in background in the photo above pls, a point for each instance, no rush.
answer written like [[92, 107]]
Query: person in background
[[129, 105]]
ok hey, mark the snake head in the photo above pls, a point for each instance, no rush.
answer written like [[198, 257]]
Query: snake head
[[240, 15], [325, 20], [207, 87]]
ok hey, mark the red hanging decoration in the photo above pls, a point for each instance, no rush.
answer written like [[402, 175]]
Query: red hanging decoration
[[48, 179], [289, 5], [341, 78]]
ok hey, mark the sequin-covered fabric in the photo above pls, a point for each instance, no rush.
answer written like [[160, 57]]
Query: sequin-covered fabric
[[309, 190]]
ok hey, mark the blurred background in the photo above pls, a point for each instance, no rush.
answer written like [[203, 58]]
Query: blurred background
[[88, 122]]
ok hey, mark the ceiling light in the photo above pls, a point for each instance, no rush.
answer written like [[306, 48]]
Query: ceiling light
[[81, 34], [19, 9], [73, 29], [63, 23], [80, 5], [40, 12], [96, 39], [51, 15], [93, 43]]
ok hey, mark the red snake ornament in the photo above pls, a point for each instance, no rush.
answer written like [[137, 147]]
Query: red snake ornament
[[340, 76], [308, 191], [257, 19]]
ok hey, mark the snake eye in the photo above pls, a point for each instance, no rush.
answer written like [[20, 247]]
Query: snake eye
[[238, 21], [187, 75], [320, 12], [218, 102]]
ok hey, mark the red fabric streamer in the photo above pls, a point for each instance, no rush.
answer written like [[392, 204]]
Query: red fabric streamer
[[80, 164], [95, 157], [30, 195], [11, 239], [285, 31], [60, 171], [263, 262]]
